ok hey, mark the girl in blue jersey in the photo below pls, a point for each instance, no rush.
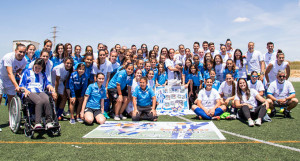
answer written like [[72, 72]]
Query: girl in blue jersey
[[195, 83], [230, 68], [77, 57], [208, 66], [153, 63], [58, 55], [115, 64], [146, 69], [118, 94], [78, 83], [216, 84], [144, 102], [185, 72], [89, 72], [162, 76], [91, 109], [30, 49], [34, 82]]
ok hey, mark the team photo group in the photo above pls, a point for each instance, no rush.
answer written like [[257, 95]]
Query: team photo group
[[91, 85]]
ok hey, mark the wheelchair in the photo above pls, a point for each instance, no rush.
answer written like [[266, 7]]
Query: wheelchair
[[21, 112]]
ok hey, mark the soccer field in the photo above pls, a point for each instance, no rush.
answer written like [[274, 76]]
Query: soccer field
[[242, 142]]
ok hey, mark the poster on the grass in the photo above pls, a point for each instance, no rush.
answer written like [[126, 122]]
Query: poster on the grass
[[157, 130], [172, 99]]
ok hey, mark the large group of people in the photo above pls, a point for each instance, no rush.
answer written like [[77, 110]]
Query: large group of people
[[120, 82]]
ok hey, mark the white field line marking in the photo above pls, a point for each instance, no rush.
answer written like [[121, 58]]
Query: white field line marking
[[250, 138]]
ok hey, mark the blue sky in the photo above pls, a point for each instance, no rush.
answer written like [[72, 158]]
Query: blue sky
[[165, 22]]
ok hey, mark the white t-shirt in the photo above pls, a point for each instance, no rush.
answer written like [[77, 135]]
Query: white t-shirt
[[61, 71], [224, 58], [253, 61], [226, 89], [170, 63], [95, 55], [208, 98], [252, 100], [9, 60], [258, 85], [105, 68], [216, 52], [273, 72], [220, 72], [269, 57], [242, 69], [179, 59], [48, 70], [280, 91]]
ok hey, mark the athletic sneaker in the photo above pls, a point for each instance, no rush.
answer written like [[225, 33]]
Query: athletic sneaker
[[38, 126], [79, 120], [123, 117], [258, 122], [72, 121], [117, 118], [273, 113], [216, 118], [269, 111], [0, 130], [49, 125], [287, 114], [251, 123]]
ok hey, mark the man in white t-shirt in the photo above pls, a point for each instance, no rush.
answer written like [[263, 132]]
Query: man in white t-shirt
[[212, 49], [196, 48], [270, 55], [11, 65], [255, 61], [281, 93], [205, 46]]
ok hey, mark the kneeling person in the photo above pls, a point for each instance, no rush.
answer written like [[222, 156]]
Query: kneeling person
[[281, 93], [91, 108], [144, 102]]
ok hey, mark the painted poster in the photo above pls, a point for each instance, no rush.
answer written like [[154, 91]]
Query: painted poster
[[157, 130], [172, 100]]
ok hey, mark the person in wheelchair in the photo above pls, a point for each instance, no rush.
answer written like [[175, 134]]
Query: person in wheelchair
[[34, 82]]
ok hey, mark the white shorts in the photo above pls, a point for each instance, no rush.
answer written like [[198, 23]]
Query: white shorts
[[61, 88], [7, 88]]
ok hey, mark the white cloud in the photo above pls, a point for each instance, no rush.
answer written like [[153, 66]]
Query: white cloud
[[241, 19]]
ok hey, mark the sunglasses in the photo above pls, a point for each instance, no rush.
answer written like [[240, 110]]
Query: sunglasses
[[254, 76], [281, 76]]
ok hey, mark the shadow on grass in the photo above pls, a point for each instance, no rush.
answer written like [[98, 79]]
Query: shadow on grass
[[4, 125]]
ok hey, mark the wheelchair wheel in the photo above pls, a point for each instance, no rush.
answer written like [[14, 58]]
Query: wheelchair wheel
[[28, 131], [15, 114]]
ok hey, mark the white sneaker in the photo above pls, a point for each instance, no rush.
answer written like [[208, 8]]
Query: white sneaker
[[49, 125], [123, 117], [0, 130], [258, 122], [117, 118], [251, 123]]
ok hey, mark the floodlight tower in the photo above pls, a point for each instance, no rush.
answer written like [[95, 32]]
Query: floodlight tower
[[54, 37]]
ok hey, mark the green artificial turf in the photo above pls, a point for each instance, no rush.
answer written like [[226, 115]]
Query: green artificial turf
[[64, 147]]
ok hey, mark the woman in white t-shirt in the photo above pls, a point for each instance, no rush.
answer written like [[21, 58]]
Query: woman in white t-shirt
[[245, 100], [275, 66], [208, 103], [255, 83], [227, 92], [171, 68], [62, 73]]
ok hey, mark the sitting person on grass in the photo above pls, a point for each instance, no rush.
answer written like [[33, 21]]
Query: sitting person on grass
[[208, 103], [281, 93], [91, 108], [246, 101], [144, 102]]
